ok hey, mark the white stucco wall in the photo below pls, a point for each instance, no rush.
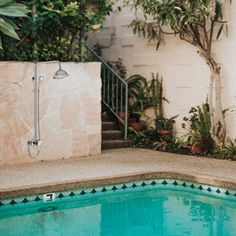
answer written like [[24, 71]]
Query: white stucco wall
[[185, 74]]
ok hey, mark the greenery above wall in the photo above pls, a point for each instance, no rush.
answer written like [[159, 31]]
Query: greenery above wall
[[55, 29]]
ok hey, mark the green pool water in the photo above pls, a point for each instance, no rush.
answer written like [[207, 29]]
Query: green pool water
[[148, 212]]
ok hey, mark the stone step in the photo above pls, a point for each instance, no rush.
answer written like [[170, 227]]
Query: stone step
[[112, 135], [106, 117], [112, 144], [109, 125]]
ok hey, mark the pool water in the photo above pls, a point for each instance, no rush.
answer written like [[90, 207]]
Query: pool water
[[148, 212]]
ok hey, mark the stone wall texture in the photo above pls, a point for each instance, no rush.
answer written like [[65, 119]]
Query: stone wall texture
[[70, 111], [185, 74]]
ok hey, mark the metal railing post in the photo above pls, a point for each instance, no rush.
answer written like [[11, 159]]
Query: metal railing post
[[126, 111], [110, 95]]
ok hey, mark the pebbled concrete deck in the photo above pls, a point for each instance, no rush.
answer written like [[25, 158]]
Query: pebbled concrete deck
[[113, 166]]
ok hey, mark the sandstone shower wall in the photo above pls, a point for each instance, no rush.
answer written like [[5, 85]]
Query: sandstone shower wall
[[70, 111]]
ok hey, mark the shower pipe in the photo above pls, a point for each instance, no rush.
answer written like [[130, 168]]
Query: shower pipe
[[36, 140]]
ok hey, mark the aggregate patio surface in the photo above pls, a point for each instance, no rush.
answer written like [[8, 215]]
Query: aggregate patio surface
[[113, 166]]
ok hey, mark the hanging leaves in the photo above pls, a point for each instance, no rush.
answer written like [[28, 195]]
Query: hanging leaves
[[9, 9], [193, 20]]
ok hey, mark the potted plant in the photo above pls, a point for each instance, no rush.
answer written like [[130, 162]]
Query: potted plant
[[135, 122], [164, 126], [144, 94], [137, 100], [198, 126], [154, 95]]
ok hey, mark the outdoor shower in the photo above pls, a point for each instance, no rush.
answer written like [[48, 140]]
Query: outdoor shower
[[36, 140], [60, 74]]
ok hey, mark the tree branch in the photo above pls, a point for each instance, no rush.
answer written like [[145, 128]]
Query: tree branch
[[210, 39]]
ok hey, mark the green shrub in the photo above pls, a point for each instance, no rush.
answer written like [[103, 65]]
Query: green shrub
[[228, 151], [55, 30], [199, 131], [9, 10]]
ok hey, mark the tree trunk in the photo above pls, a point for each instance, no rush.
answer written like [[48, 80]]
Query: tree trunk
[[218, 129], [210, 99], [218, 126]]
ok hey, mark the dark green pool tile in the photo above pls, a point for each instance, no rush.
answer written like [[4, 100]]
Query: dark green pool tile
[[114, 188], [164, 182], [12, 202], [37, 199], [60, 195], [124, 186], [93, 191], [192, 186], [104, 190], [25, 200]]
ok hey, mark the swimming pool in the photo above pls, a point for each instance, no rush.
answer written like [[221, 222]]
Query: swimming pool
[[151, 207]]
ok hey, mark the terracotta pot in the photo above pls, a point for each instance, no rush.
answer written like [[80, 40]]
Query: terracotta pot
[[121, 114], [138, 126], [196, 149], [164, 132]]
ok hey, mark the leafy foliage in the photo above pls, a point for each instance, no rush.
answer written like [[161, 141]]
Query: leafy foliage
[[194, 21], [119, 68], [229, 150], [142, 139], [155, 95], [199, 133], [163, 123], [197, 22], [144, 94], [137, 97], [8, 10], [56, 29]]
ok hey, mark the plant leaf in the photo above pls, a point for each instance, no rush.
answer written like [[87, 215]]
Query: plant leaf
[[14, 10], [7, 29], [220, 31], [4, 2], [1, 43]]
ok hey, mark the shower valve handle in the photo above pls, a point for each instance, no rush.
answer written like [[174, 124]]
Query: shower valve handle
[[33, 142]]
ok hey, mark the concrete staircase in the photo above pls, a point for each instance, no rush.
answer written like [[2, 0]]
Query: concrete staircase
[[112, 136]]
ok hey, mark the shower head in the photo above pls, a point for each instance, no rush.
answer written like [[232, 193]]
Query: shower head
[[61, 74]]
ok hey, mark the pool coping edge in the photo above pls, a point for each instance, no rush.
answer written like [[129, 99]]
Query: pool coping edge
[[109, 180]]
